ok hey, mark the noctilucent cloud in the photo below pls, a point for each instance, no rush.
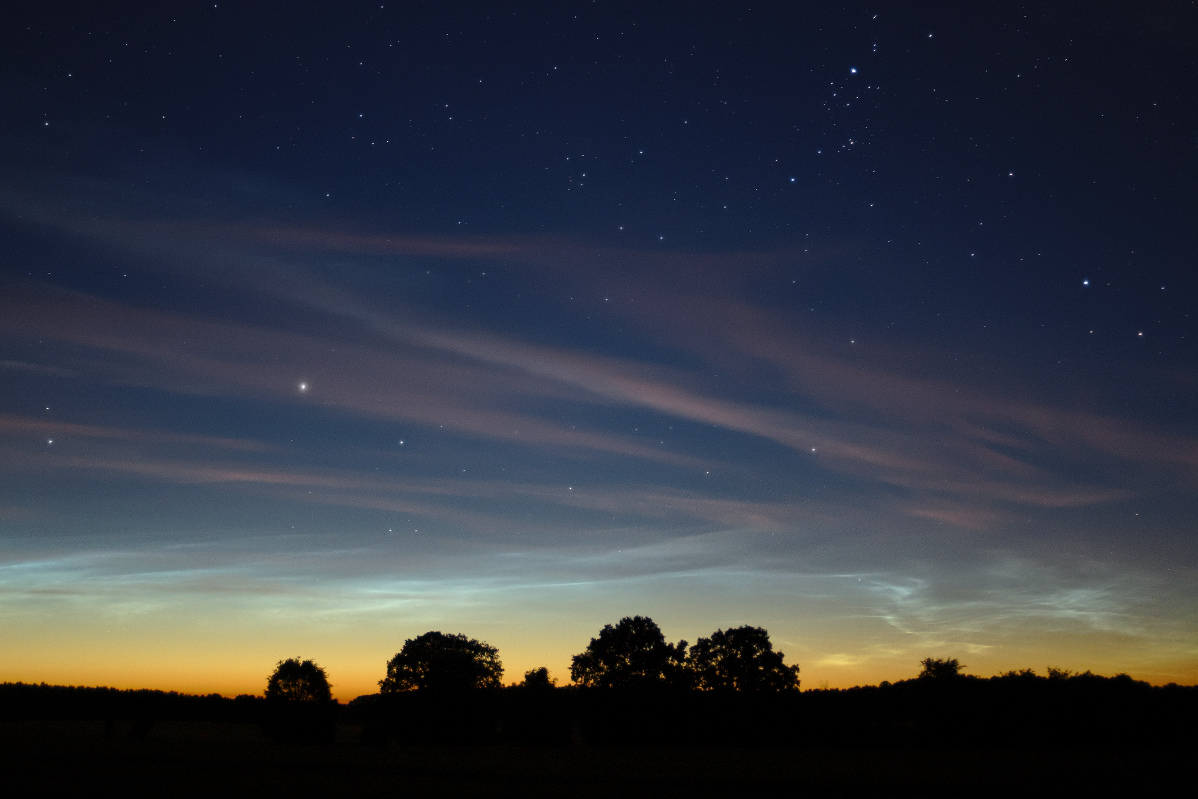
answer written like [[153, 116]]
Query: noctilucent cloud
[[323, 327]]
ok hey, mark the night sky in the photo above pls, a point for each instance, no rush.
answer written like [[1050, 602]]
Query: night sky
[[323, 325]]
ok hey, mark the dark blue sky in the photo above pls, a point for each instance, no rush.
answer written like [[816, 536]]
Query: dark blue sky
[[324, 326]]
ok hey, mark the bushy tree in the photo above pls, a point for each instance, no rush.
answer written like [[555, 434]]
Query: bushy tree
[[940, 668], [298, 680], [740, 659], [538, 679], [633, 653], [437, 661]]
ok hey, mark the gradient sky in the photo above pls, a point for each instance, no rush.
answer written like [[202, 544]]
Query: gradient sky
[[325, 326]]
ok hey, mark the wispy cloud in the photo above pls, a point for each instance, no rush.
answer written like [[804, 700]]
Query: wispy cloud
[[952, 449]]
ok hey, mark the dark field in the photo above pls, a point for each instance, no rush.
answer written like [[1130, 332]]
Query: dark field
[[194, 758]]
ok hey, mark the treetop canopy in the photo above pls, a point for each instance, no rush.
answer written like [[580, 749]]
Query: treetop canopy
[[443, 662]]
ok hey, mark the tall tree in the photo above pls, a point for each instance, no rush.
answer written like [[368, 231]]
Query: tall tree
[[740, 659], [633, 653], [438, 661]]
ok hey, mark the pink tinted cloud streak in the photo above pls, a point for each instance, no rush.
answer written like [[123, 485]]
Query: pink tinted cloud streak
[[932, 436]]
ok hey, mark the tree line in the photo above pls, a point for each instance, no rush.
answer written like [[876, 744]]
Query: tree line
[[631, 686], [631, 654]]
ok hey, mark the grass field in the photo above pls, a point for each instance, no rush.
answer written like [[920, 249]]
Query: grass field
[[47, 758]]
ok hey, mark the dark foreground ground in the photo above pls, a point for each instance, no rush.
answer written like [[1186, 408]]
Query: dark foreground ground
[[195, 758]]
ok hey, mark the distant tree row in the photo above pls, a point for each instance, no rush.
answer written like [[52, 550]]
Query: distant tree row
[[941, 708], [633, 653], [632, 687]]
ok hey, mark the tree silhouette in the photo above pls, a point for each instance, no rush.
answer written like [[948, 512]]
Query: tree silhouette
[[437, 661], [740, 659], [940, 668], [632, 653], [538, 679], [298, 680]]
